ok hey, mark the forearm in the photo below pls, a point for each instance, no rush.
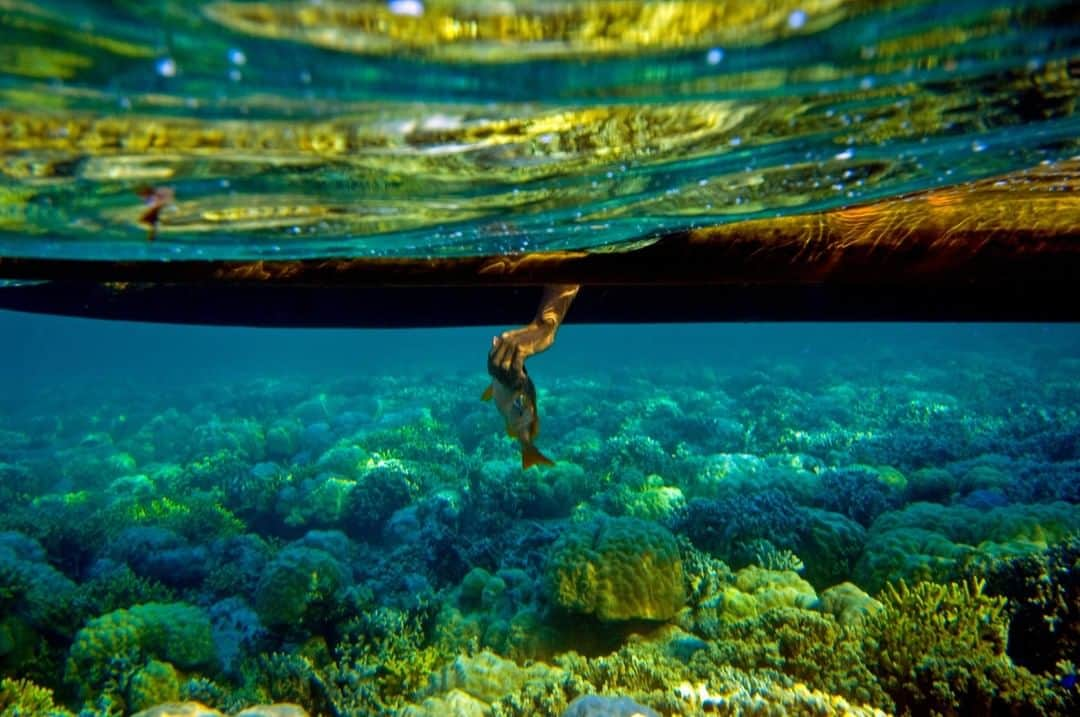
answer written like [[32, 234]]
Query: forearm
[[540, 334]]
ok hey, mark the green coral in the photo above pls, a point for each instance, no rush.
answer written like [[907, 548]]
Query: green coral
[[116, 645], [940, 649], [927, 541], [299, 588], [23, 698], [617, 569], [153, 684]]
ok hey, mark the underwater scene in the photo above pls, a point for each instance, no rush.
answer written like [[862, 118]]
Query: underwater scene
[[741, 519], [269, 446]]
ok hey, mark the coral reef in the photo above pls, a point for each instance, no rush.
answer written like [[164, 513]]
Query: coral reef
[[617, 569], [771, 538]]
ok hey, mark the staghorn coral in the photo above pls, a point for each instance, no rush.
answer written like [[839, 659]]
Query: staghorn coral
[[940, 649], [23, 698]]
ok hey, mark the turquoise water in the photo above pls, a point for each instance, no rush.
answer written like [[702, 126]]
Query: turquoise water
[[345, 139], [783, 519], [334, 519]]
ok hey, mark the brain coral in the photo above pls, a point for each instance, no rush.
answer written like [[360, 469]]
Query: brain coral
[[617, 569]]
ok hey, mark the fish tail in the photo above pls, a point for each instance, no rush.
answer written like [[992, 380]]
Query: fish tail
[[530, 457]]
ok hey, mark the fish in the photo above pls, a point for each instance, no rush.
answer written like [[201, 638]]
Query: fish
[[155, 199], [518, 408]]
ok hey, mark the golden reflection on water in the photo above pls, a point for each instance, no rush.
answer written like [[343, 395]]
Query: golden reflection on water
[[656, 143], [499, 31]]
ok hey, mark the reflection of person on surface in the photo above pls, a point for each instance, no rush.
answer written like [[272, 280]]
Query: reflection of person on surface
[[512, 389]]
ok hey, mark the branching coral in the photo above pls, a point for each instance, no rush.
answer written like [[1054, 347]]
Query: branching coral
[[940, 649]]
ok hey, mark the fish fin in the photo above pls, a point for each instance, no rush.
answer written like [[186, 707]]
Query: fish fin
[[488, 392], [150, 216], [530, 456]]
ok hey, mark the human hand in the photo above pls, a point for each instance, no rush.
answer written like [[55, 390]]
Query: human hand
[[506, 360]]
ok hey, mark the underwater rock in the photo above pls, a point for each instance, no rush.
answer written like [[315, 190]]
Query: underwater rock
[[487, 677], [180, 709], [617, 569], [454, 703], [602, 706], [848, 604], [196, 709]]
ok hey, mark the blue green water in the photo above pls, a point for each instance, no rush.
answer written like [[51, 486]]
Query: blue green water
[[334, 519], [803, 519], [346, 139]]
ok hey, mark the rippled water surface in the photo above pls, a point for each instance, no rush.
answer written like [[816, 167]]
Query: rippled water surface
[[413, 128]]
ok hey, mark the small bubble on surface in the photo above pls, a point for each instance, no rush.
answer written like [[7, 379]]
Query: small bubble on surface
[[166, 67], [846, 154], [714, 56], [796, 19], [237, 56], [977, 146], [412, 8]]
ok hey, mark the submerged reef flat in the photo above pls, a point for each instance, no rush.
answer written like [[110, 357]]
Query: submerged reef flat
[[898, 535]]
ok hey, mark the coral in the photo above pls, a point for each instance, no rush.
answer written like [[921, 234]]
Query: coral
[[617, 569], [848, 604], [197, 515], [22, 698], [927, 541], [488, 677], [730, 528], [1043, 592], [860, 492], [382, 658], [500, 487], [152, 684], [940, 649], [111, 586], [652, 500], [299, 588], [116, 645], [830, 546], [751, 592], [502, 612], [32, 589]]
